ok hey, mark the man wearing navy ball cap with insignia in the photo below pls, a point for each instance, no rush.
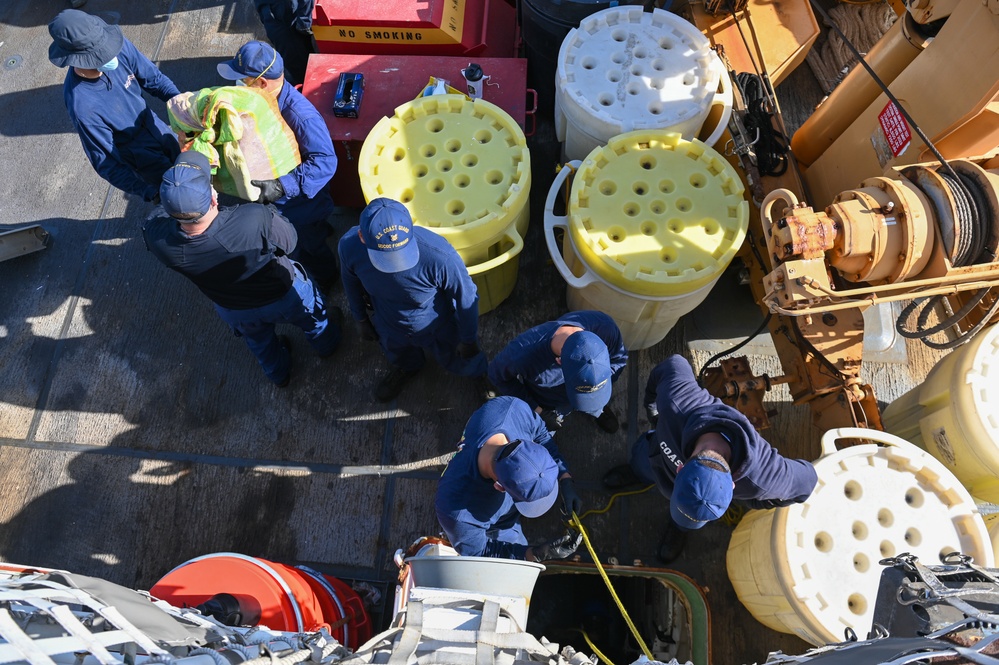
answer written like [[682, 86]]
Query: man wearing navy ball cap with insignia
[[408, 289]]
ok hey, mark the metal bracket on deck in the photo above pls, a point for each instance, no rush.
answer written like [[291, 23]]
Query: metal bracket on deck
[[24, 240]]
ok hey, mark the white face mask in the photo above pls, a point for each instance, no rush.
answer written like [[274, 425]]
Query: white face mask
[[241, 82], [109, 66]]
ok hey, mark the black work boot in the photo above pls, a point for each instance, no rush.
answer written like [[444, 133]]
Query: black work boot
[[393, 383], [622, 478], [671, 546], [607, 420]]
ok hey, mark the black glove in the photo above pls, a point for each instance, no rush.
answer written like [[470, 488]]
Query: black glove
[[368, 332], [652, 413], [552, 420], [562, 547], [571, 503], [467, 350], [270, 190]]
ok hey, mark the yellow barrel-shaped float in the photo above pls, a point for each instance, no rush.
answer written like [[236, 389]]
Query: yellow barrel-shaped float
[[954, 414], [652, 221], [811, 569], [463, 170]]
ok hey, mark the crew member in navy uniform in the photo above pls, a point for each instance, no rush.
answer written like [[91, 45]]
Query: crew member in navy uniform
[[302, 195], [127, 144], [506, 467], [288, 24], [564, 366], [701, 454], [419, 294], [238, 257]]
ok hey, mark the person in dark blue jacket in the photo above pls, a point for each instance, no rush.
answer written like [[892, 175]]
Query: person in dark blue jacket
[[128, 145], [506, 467], [564, 366], [702, 454], [419, 293], [238, 257], [288, 24], [301, 195]]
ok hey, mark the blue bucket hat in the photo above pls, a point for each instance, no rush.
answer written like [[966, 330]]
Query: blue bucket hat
[[529, 475], [702, 492], [187, 187], [587, 372], [253, 60], [82, 40], [387, 229]]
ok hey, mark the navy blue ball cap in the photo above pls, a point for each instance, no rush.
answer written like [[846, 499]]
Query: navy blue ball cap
[[529, 475], [253, 60], [387, 229], [702, 492], [82, 40], [186, 190], [587, 372]]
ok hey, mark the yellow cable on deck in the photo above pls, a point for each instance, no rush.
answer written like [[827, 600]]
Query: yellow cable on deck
[[576, 523], [594, 649]]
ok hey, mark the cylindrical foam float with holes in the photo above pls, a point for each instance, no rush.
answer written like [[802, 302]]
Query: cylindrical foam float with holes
[[624, 69], [652, 221], [463, 170], [811, 569], [954, 414]]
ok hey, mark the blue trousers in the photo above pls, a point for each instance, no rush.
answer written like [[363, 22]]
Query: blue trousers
[[309, 217], [302, 306], [406, 352]]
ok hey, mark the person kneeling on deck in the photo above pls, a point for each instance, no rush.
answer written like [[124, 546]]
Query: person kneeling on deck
[[702, 454], [238, 257], [301, 195], [564, 366], [419, 293], [507, 466]]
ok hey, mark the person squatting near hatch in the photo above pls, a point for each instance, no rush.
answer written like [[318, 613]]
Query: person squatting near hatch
[[563, 366], [507, 467], [127, 144], [288, 24], [238, 257], [408, 288], [302, 195], [703, 453]]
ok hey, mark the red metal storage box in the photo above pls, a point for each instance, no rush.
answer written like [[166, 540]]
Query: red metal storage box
[[424, 27], [390, 80]]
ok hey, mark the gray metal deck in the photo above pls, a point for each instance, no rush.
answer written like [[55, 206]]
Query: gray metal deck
[[136, 432]]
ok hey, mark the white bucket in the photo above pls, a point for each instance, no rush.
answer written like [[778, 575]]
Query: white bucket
[[624, 69], [811, 569], [653, 221]]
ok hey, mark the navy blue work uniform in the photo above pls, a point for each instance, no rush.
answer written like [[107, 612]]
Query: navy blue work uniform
[[434, 305], [306, 202], [241, 263], [763, 477], [128, 145], [288, 24], [527, 368], [478, 519]]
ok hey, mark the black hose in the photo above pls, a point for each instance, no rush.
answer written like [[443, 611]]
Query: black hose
[[771, 146], [704, 367], [972, 228]]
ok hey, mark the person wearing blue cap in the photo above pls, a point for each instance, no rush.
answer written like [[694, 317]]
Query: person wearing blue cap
[[563, 366], [418, 291], [701, 455], [506, 467], [127, 144], [239, 257], [301, 195], [288, 24]]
